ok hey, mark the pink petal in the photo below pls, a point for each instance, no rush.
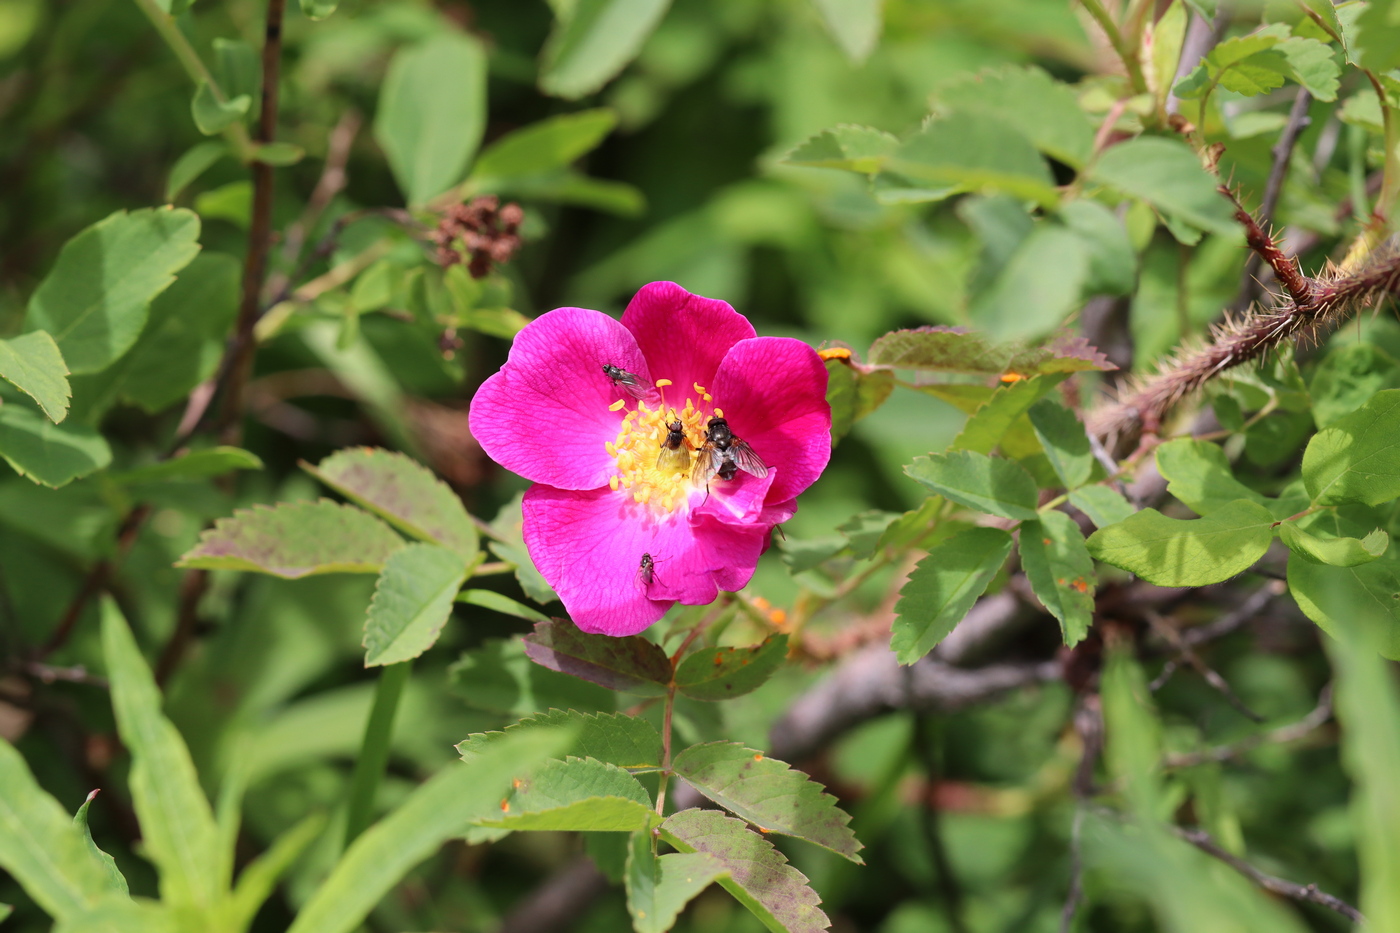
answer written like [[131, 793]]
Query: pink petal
[[683, 336], [589, 546], [737, 501], [545, 414], [773, 394]]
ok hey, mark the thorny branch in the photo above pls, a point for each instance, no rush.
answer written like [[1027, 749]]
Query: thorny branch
[[1282, 154]]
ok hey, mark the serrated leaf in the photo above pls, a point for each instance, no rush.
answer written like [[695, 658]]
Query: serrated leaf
[[49, 454], [721, 673], [1338, 552], [630, 664], [911, 527], [799, 556], [576, 794], [990, 422], [865, 530], [957, 350], [177, 823], [403, 492], [1104, 505], [975, 152], [500, 678], [412, 601], [854, 24], [659, 888], [94, 300], [442, 808], [33, 363], [116, 880], [989, 484], [594, 42], [854, 393], [1198, 473], [197, 464], [124, 916], [1066, 445], [1060, 571], [759, 876], [432, 112], [612, 738], [489, 599], [1168, 175], [296, 539], [769, 794], [551, 144], [860, 149], [1357, 457], [1042, 109], [213, 113], [1172, 552], [943, 587]]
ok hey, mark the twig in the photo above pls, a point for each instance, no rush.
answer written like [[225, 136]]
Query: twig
[[73, 675], [95, 581], [1282, 735], [1282, 154], [192, 587], [1188, 654], [1232, 620]]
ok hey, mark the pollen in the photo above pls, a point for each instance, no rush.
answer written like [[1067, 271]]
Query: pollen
[[649, 471]]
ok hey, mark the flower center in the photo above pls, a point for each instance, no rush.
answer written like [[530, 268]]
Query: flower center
[[652, 465]]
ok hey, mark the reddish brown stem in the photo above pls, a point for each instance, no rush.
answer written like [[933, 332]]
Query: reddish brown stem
[[95, 581]]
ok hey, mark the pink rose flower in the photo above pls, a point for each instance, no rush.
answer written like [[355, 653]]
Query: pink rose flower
[[621, 526]]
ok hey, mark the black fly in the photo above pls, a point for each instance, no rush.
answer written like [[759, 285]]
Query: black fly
[[724, 455], [675, 449], [646, 572], [627, 382]]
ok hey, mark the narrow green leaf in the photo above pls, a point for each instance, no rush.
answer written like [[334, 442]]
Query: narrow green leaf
[[489, 599], [989, 484], [594, 42], [94, 301], [1104, 505], [195, 162], [769, 794], [237, 68], [854, 393], [1044, 110], [860, 149], [116, 880], [1357, 457], [854, 24], [500, 678], [318, 9], [278, 153], [436, 811], [197, 464], [577, 795], [296, 539], [1339, 552], [659, 888], [975, 152], [212, 115], [1133, 733], [412, 602], [943, 588], [1171, 552], [432, 113], [1168, 175], [403, 492], [41, 848], [1064, 441], [990, 422], [612, 738], [1198, 473], [259, 879], [33, 363], [759, 876], [125, 916], [721, 673], [1060, 571], [550, 144], [49, 454], [177, 824], [631, 664]]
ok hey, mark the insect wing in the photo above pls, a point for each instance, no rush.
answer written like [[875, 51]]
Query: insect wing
[[707, 464], [747, 460], [627, 382]]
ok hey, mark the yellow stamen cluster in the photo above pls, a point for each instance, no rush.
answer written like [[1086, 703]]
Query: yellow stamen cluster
[[652, 474]]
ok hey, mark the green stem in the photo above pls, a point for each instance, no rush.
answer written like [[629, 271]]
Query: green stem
[[1126, 53], [1390, 181], [666, 746], [374, 750]]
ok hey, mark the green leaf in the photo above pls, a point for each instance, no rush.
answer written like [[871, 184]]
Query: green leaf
[[975, 152], [403, 492], [1104, 505], [1198, 473], [911, 527], [1357, 458], [1347, 377], [237, 68], [1044, 110], [116, 880], [296, 539], [594, 42], [865, 530], [49, 454], [195, 162], [197, 464], [630, 664], [33, 363], [990, 422], [612, 738], [769, 794], [177, 824], [1168, 175], [1341, 600], [214, 115], [1064, 440], [232, 202], [442, 808], [659, 888], [550, 144], [759, 876], [721, 673], [125, 916], [1172, 552], [1133, 733], [860, 149], [578, 795], [1060, 571], [489, 599], [854, 393], [1374, 40], [412, 601], [318, 9], [956, 350], [1339, 552], [854, 24], [95, 299], [1112, 262], [988, 484], [258, 880], [41, 848], [432, 112], [500, 678], [279, 154], [943, 588]]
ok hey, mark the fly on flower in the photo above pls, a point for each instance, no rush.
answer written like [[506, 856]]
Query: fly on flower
[[627, 382], [724, 454], [675, 449], [646, 571]]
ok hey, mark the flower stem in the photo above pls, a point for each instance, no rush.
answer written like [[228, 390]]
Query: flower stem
[[666, 744], [374, 750], [1127, 53]]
